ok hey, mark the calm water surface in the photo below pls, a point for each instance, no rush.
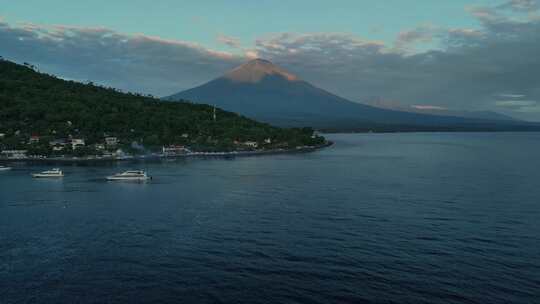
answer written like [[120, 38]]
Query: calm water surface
[[377, 218]]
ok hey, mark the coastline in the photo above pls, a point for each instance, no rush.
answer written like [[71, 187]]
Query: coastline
[[160, 156]]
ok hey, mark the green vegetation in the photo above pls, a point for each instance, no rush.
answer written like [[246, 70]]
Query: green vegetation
[[33, 103]]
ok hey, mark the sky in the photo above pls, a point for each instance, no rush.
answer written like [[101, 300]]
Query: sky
[[471, 55]]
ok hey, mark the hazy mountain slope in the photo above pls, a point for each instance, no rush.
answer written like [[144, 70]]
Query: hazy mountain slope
[[261, 90]]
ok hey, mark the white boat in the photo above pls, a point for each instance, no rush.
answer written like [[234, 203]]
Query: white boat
[[49, 173], [133, 175], [4, 168]]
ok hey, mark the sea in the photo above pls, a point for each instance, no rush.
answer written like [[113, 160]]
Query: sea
[[375, 218]]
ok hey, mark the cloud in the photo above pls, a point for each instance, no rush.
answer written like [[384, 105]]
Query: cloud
[[515, 103], [236, 44], [511, 95], [521, 5], [485, 14], [466, 71], [317, 51], [409, 38], [232, 42], [130, 62], [428, 107], [520, 106]]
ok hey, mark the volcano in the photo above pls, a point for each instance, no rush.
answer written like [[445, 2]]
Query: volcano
[[263, 91]]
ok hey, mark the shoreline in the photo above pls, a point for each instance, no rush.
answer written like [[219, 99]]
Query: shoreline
[[158, 157]]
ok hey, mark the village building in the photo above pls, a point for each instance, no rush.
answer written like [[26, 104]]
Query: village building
[[58, 144], [174, 150], [34, 139], [14, 154], [251, 144], [77, 143], [119, 153], [111, 141]]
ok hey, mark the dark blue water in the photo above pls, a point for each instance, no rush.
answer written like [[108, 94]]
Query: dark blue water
[[377, 218]]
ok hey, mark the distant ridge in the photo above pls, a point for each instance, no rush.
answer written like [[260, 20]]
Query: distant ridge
[[431, 110], [261, 90]]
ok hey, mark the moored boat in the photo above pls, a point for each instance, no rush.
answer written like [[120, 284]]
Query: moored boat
[[132, 175], [4, 168], [49, 173]]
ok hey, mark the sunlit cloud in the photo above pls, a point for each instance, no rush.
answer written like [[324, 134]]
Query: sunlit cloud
[[230, 41], [515, 103], [408, 40], [428, 107], [511, 95], [521, 5]]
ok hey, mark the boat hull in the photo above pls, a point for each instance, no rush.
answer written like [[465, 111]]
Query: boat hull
[[46, 176], [136, 179]]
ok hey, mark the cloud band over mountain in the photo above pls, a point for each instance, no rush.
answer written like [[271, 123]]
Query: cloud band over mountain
[[454, 68]]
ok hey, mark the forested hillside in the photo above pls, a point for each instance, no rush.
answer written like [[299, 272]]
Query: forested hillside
[[37, 104]]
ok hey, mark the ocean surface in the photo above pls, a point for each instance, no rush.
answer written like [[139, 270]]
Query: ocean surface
[[376, 218]]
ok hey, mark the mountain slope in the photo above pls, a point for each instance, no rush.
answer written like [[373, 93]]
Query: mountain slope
[[260, 90], [33, 103]]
